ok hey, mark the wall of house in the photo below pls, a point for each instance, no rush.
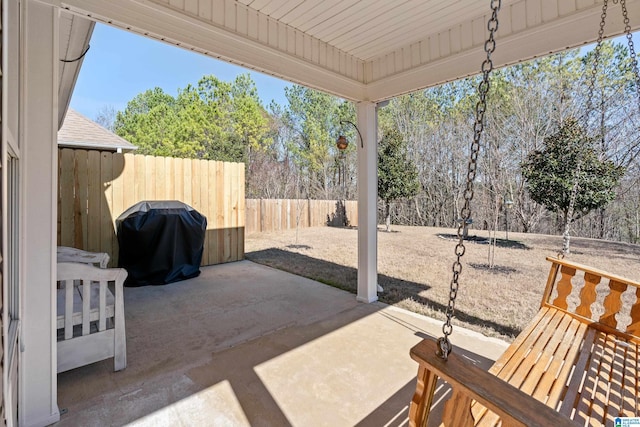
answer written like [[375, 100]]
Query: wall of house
[[10, 166], [95, 187], [3, 209], [38, 126]]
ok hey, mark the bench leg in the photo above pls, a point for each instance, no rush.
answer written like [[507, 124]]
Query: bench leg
[[120, 339], [422, 398]]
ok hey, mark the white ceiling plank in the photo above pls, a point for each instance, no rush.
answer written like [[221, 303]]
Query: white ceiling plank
[[566, 7], [263, 29], [191, 6], [242, 20], [322, 60], [178, 4], [252, 16], [273, 27], [445, 43], [534, 12], [230, 16], [478, 27], [296, 17], [218, 11], [454, 37], [299, 44], [259, 4], [549, 10], [407, 21], [581, 4], [415, 54], [505, 21], [204, 9], [291, 40], [384, 42], [434, 48], [519, 17], [346, 9], [277, 10], [357, 18], [282, 38]]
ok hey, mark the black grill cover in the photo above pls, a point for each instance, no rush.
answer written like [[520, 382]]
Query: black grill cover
[[160, 242]]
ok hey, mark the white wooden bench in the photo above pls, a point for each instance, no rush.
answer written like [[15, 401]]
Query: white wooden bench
[[90, 329], [67, 254]]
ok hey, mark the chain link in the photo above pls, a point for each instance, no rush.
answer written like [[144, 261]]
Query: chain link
[[444, 345]]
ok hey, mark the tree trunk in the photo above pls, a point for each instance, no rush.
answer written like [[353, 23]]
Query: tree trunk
[[601, 223], [566, 238], [418, 213], [387, 215]]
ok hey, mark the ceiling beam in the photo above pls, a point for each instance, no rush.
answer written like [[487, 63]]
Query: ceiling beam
[[517, 45], [165, 24]]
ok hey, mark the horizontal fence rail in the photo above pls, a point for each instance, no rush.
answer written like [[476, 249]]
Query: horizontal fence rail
[[95, 187], [266, 215]]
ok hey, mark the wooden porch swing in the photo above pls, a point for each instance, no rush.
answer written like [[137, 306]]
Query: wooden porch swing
[[576, 363]]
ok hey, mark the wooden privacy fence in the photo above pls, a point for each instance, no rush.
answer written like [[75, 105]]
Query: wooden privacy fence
[[95, 187], [285, 214]]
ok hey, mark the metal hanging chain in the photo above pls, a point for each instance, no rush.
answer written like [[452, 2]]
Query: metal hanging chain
[[597, 53], [632, 50], [444, 345], [591, 89], [596, 61]]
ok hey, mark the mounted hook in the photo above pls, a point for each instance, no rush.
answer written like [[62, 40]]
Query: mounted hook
[[342, 143]]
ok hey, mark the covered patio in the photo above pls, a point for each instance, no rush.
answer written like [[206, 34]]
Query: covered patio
[[298, 351], [244, 344]]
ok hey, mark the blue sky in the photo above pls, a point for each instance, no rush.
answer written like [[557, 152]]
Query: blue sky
[[121, 65]]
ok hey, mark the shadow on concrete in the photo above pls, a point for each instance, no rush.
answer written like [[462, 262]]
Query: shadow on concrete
[[396, 408], [187, 339], [346, 278]]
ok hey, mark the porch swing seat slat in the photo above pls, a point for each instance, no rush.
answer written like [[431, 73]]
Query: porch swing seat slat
[[582, 369]]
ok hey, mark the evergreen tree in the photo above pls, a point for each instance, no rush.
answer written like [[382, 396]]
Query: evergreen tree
[[569, 171], [397, 175]]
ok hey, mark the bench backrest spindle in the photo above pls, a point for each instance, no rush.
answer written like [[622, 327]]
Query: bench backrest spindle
[[564, 286], [613, 303], [588, 294], [634, 326]]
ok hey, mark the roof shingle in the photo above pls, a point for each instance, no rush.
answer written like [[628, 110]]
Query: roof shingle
[[79, 131]]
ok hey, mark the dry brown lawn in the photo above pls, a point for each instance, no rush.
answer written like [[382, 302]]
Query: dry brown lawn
[[414, 268]]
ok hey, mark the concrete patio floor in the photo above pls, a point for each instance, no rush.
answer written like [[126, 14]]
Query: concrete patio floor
[[244, 344]]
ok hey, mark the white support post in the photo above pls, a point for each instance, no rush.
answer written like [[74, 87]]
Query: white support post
[[367, 198], [38, 139]]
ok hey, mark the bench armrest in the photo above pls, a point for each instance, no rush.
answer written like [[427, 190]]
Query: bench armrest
[[471, 382]]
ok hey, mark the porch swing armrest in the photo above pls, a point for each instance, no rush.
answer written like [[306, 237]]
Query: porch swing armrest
[[469, 382]]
